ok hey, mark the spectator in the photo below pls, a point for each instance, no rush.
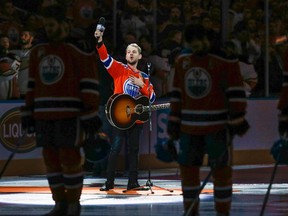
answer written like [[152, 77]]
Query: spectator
[[173, 23], [130, 20], [146, 13], [33, 22], [215, 17], [26, 43], [213, 35], [236, 9], [160, 71], [8, 12], [247, 47], [147, 50], [249, 75], [171, 46]]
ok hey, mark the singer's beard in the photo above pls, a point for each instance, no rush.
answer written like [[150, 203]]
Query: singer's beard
[[133, 63]]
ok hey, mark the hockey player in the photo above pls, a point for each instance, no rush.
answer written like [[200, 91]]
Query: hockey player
[[207, 101], [62, 96]]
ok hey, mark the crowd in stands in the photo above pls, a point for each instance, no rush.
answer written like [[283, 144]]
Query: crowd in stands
[[159, 32]]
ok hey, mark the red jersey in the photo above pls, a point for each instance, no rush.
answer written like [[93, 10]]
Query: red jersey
[[207, 90], [62, 83], [120, 73]]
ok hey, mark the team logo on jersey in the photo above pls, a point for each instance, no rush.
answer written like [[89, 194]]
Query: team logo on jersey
[[130, 89], [51, 69], [197, 82]]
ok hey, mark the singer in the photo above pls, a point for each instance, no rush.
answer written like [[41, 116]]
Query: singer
[[127, 80]]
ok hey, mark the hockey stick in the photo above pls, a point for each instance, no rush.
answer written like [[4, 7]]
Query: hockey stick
[[277, 152], [19, 143], [280, 154], [269, 187]]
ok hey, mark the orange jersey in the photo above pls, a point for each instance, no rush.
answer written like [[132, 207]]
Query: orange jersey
[[120, 73], [62, 83], [206, 91]]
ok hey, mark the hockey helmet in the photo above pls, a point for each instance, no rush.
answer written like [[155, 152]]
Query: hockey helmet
[[98, 148], [279, 151]]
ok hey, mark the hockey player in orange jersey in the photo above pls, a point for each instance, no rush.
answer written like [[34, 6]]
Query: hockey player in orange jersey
[[208, 106], [61, 102]]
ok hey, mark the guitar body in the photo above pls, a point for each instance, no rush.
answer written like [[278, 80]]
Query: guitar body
[[120, 110]]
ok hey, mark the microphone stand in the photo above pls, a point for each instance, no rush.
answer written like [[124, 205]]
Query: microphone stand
[[149, 184]]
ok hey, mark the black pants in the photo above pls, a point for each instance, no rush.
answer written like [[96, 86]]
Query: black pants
[[133, 136]]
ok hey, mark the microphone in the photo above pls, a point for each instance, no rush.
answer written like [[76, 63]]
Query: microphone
[[101, 24]]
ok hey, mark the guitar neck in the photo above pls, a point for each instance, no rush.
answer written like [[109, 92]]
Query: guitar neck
[[156, 107]]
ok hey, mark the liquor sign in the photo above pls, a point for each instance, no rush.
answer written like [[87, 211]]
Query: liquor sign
[[12, 136]]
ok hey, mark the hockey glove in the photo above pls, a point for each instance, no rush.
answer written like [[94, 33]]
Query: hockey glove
[[279, 151], [27, 121], [239, 129], [173, 130]]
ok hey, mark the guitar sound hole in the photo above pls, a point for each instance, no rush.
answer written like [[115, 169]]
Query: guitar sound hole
[[138, 109]]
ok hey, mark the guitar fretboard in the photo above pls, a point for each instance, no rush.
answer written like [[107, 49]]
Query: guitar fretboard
[[156, 107]]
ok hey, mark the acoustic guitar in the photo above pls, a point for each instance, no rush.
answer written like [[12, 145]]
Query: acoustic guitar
[[122, 110]]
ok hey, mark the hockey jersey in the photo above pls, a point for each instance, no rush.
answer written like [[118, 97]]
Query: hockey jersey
[[62, 83], [120, 73], [207, 93]]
